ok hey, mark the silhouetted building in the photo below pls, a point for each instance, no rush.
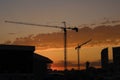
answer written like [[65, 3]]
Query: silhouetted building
[[22, 61], [16, 59], [104, 58], [116, 58], [41, 66]]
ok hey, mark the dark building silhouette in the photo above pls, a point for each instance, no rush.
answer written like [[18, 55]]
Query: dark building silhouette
[[104, 58], [16, 59], [22, 63], [41, 66], [116, 58]]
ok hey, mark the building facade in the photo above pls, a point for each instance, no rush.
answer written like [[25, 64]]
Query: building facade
[[116, 58], [104, 58], [20, 62]]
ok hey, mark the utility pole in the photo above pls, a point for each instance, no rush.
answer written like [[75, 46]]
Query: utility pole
[[78, 51], [61, 27]]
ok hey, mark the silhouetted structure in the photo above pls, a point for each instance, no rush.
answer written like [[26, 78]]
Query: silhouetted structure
[[87, 65], [16, 59], [64, 28], [41, 66], [116, 58], [20, 62], [78, 51], [104, 58], [111, 66]]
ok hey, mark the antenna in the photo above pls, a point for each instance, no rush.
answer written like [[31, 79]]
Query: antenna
[[64, 28]]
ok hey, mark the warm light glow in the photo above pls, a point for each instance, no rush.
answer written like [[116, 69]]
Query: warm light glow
[[90, 54]]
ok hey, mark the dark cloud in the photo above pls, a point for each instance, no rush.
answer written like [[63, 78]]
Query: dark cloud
[[100, 35]]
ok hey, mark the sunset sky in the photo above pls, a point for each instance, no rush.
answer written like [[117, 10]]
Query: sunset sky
[[98, 20]]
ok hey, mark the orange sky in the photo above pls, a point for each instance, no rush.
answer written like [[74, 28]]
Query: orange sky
[[57, 55], [91, 54], [96, 19]]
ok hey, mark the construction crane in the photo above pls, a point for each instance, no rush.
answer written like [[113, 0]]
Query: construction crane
[[78, 49], [64, 28]]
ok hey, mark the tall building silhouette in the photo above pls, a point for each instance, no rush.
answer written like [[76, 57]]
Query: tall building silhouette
[[104, 58], [116, 58]]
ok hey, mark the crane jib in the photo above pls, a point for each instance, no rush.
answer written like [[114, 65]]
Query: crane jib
[[24, 23]]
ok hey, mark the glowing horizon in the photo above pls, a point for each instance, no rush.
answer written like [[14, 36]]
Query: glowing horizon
[[57, 56], [97, 19]]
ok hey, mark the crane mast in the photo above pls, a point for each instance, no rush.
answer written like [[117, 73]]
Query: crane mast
[[78, 51], [63, 28]]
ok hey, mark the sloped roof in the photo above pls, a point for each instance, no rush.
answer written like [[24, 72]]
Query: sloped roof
[[42, 58]]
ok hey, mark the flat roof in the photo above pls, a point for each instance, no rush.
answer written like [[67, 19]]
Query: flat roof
[[17, 47], [117, 47]]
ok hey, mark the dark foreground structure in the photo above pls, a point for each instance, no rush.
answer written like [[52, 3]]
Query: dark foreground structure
[[21, 63], [105, 62]]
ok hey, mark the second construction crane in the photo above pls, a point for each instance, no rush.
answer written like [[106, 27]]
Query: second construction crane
[[78, 49], [64, 28]]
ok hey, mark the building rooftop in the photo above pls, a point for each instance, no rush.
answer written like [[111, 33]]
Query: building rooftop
[[41, 58], [16, 47]]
